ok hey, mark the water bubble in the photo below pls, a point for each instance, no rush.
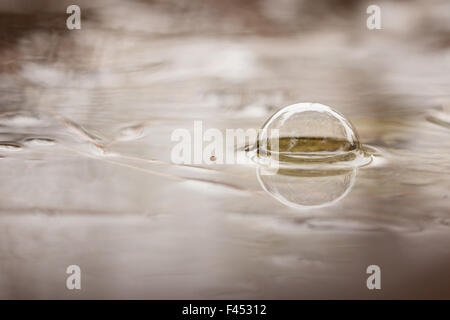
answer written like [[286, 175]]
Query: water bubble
[[39, 142], [6, 146], [308, 156], [309, 136], [132, 132], [20, 119]]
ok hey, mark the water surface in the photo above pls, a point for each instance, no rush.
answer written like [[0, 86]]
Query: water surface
[[85, 123]]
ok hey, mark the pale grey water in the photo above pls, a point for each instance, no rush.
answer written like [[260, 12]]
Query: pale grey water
[[145, 229]]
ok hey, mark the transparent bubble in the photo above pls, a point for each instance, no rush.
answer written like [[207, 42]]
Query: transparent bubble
[[308, 156], [311, 136]]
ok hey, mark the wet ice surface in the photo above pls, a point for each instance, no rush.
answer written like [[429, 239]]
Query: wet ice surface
[[85, 125]]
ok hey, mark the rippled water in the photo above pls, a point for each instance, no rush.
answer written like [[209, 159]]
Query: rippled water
[[85, 124]]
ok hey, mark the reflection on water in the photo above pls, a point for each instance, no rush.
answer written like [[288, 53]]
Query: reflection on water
[[85, 123], [303, 189]]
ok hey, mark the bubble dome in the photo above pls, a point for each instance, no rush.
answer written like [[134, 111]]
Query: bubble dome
[[310, 136]]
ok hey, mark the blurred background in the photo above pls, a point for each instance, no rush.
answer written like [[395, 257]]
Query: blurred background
[[86, 118]]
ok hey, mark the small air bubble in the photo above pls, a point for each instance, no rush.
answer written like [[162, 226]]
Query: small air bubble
[[10, 147], [20, 119], [132, 132], [39, 142]]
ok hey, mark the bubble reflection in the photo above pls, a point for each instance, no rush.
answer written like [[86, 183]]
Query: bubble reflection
[[305, 189]]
